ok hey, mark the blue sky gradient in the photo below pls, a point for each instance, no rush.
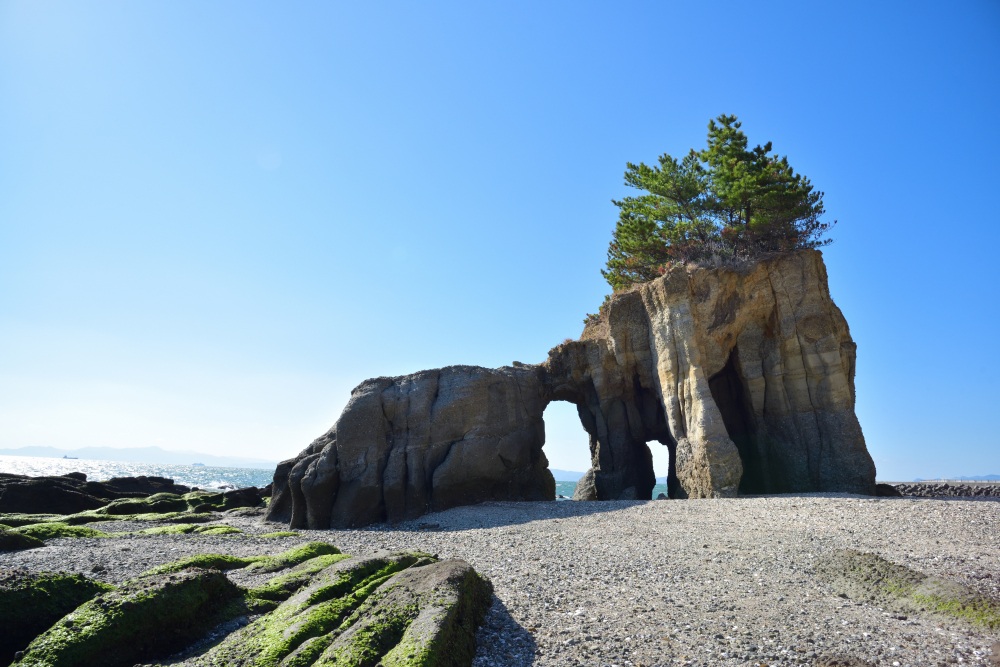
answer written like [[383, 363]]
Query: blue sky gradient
[[217, 218]]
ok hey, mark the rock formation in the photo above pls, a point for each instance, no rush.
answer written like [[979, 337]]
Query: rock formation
[[321, 608], [745, 373], [72, 493]]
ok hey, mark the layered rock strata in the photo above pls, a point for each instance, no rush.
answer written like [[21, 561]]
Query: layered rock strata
[[746, 375]]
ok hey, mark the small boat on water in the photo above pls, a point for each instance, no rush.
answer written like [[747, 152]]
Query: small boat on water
[[67, 456], [202, 465]]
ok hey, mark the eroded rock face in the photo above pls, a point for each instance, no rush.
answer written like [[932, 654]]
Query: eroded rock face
[[746, 375], [419, 443], [752, 374]]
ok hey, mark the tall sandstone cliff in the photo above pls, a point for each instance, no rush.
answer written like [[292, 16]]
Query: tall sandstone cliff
[[745, 374]]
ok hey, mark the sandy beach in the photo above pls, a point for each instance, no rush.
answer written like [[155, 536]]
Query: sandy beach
[[695, 582]]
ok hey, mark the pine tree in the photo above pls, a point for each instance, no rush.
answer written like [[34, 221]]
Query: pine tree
[[726, 201]]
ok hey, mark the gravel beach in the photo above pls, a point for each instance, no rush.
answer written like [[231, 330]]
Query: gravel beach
[[694, 582]]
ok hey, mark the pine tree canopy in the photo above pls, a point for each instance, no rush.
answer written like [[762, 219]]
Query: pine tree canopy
[[726, 202]]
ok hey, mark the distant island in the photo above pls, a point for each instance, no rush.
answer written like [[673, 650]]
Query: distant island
[[142, 455]]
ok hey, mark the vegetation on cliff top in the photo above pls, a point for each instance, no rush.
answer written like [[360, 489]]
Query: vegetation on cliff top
[[727, 202]]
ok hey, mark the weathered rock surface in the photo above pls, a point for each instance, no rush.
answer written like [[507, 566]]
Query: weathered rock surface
[[323, 608], [11, 540], [745, 374], [389, 609], [31, 602], [71, 493], [148, 617], [419, 443]]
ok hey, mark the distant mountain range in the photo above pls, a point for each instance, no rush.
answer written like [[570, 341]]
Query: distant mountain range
[[142, 455], [975, 478]]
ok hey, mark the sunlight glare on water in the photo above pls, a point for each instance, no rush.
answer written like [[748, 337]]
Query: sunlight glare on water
[[204, 477]]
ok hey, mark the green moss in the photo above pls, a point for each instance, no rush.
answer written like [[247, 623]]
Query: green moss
[[294, 556], [173, 517], [157, 503], [48, 531], [226, 562], [282, 587], [185, 528], [280, 533], [14, 541], [127, 626], [872, 577], [372, 639], [217, 530], [30, 603], [300, 629], [203, 561], [17, 519], [174, 529]]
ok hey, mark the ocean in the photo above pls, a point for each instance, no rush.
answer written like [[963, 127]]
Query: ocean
[[204, 477], [565, 490]]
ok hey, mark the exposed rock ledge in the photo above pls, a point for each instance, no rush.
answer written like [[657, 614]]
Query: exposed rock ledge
[[745, 374]]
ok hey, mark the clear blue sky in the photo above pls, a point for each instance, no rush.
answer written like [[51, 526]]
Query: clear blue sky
[[216, 218]]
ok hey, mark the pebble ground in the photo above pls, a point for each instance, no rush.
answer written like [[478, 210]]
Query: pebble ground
[[655, 583]]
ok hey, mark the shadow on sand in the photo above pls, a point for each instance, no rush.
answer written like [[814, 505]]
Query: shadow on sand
[[503, 642], [496, 514]]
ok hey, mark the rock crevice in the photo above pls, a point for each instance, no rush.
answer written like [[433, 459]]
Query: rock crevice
[[745, 374]]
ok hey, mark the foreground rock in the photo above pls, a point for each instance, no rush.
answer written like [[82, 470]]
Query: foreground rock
[[324, 608], [152, 616], [31, 602], [395, 609], [745, 374], [870, 577]]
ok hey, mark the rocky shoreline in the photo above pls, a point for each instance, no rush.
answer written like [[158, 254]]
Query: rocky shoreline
[[768, 580], [308, 604], [940, 489]]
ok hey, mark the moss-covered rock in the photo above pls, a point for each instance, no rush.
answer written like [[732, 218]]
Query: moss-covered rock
[[15, 519], [325, 608], [293, 556], [157, 503], [284, 560], [185, 528], [423, 617], [301, 628], [870, 577], [50, 531], [279, 533], [11, 540], [282, 587], [30, 603], [146, 619]]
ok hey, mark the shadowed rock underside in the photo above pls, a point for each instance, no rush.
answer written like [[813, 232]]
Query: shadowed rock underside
[[746, 375]]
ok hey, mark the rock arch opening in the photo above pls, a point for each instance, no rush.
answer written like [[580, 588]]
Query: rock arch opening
[[731, 395], [566, 447]]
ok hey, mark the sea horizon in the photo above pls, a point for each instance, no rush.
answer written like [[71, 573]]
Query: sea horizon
[[200, 476]]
